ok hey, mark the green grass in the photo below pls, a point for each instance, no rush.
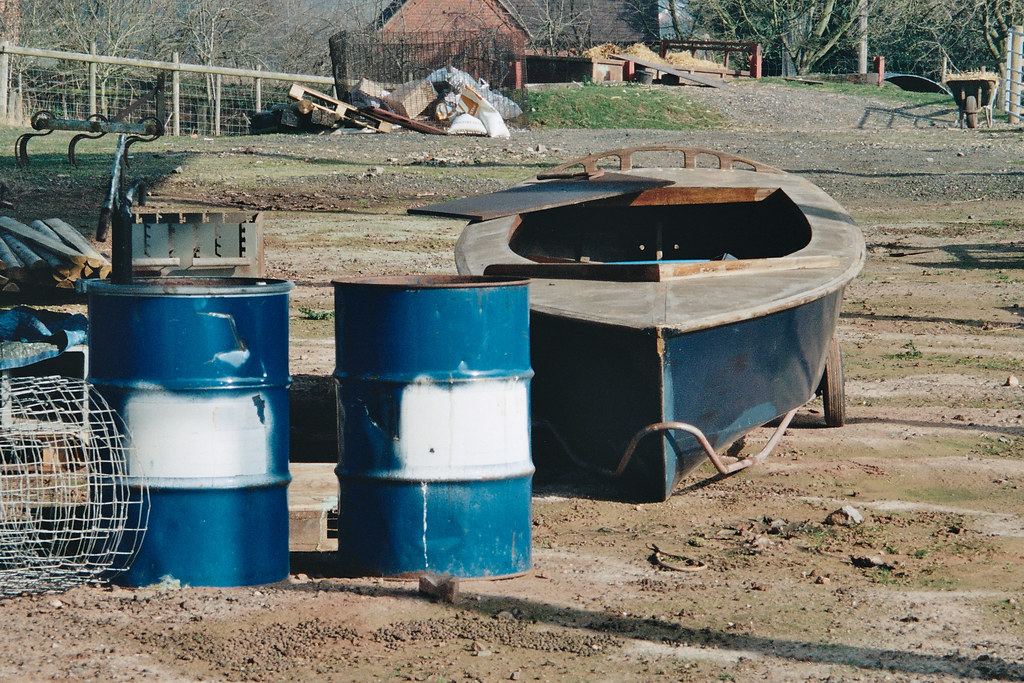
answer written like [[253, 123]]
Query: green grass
[[625, 106], [911, 352], [637, 106], [887, 92], [310, 314]]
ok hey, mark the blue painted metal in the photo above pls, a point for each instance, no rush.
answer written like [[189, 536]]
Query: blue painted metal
[[434, 465], [594, 385], [198, 369]]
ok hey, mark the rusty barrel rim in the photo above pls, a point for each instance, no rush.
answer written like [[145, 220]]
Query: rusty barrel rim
[[189, 286], [431, 281]]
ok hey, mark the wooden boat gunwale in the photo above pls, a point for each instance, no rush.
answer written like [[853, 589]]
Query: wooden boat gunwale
[[835, 253]]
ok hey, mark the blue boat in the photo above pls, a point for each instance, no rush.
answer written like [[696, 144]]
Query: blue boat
[[673, 308]]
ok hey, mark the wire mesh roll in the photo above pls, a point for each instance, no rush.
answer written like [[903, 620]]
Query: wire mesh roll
[[69, 511]]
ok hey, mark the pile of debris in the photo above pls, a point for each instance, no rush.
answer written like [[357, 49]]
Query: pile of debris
[[448, 101], [47, 253]]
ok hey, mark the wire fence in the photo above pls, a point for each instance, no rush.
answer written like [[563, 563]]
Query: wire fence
[[190, 99]]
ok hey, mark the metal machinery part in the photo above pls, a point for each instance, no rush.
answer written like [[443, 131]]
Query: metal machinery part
[[96, 126]]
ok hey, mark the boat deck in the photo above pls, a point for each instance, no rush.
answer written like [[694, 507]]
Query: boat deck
[[690, 296]]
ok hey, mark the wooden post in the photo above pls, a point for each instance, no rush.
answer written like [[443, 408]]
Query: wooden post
[[880, 69], [216, 104], [92, 80], [862, 32], [5, 80], [1016, 74], [259, 91], [176, 96], [755, 61], [161, 99]]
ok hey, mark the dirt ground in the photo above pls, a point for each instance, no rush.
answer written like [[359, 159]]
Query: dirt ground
[[751, 583]]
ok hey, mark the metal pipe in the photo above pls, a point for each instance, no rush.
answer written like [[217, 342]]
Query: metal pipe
[[44, 120], [120, 219]]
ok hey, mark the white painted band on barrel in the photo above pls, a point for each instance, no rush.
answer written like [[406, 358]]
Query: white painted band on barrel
[[465, 429], [184, 435]]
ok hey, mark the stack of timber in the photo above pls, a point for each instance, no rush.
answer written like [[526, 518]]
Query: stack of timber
[[46, 253]]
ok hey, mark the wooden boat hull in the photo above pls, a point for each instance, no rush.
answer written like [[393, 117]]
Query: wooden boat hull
[[666, 303]]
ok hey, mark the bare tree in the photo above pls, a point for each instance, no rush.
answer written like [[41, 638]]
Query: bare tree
[[10, 20], [808, 30], [676, 18], [556, 25], [996, 18], [117, 27]]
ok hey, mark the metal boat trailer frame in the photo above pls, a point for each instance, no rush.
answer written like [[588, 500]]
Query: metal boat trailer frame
[[833, 396]]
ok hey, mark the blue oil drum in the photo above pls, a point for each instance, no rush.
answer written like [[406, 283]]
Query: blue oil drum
[[434, 464], [198, 370]]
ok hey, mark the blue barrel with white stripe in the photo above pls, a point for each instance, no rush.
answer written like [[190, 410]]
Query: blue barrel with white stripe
[[434, 466], [198, 369]]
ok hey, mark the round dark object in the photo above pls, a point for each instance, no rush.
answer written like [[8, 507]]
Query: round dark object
[[833, 387], [971, 109]]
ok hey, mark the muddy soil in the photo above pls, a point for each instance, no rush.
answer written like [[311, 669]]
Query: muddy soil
[[739, 578]]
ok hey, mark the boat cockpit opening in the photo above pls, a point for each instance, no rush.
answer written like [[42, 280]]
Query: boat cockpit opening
[[666, 225]]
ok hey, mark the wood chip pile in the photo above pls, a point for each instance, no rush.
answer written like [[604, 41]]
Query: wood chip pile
[[677, 59]]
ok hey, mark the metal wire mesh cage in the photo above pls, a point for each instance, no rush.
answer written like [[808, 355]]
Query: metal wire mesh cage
[[69, 511]]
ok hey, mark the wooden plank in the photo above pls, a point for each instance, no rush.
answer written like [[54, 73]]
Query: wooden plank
[[319, 100], [367, 120], [312, 506], [539, 195], [9, 259], [60, 267], [69, 235], [403, 121], [26, 233], [666, 69], [28, 256], [658, 271], [310, 99]]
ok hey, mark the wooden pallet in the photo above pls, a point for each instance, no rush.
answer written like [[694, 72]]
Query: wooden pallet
[[310, 99]]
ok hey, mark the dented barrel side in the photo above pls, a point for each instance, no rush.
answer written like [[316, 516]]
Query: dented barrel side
[[434, 470], [198, 369]]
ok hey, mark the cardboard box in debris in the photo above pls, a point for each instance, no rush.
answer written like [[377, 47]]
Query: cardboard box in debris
[[448, 101]]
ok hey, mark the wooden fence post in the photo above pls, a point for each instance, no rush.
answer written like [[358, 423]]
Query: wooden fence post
[[5, 81], [1016, 75], [259, 91], [92, 80], [176, 96], [216, 104], [755, 61]]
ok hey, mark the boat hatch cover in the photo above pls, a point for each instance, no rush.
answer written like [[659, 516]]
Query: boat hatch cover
[[540, 195]]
